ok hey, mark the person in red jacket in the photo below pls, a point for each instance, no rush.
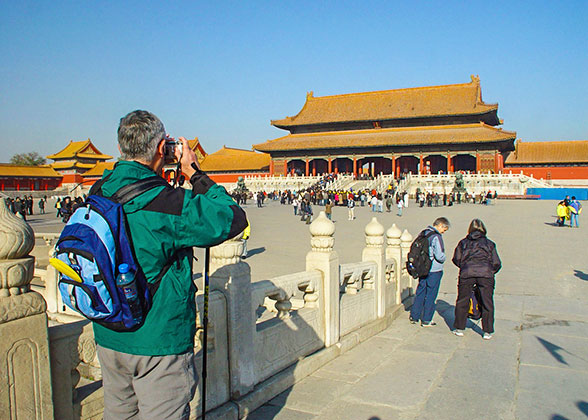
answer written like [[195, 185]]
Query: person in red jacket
[[478, 262]]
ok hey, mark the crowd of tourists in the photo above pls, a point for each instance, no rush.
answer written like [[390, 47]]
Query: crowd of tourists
[[24, 206]]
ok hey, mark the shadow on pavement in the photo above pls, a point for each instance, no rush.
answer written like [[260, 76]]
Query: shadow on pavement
[[447, 312], [581, 275], [255, 251], [554, 350]]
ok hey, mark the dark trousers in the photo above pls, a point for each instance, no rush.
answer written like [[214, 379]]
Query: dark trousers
[[423, 307], [486, 302]]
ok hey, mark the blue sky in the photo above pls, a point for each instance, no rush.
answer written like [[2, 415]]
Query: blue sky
[[221, 70]]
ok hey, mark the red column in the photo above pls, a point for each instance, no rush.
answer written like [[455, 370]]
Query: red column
[[449, 168], [285, 167], [329, 170], [313, 168], [495, 162], [421, 166], [477, 163], [306, 173], [393, 165], [500, 162], [354, 166], [271, 168]]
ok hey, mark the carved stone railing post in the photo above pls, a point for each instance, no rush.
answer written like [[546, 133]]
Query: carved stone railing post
[[394, 252], [323, 258], [232, 277], [25, 376], [374, 251], [405, 242]]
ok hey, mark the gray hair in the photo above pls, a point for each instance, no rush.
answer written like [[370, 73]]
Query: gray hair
[[139, 133], [442, 221]]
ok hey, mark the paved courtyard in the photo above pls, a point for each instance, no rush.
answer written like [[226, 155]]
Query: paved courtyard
[[535, 367]]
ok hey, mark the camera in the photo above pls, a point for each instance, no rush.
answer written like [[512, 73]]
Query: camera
[[170, 149]]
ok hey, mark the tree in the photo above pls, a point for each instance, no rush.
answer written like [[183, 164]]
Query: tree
[[28, 159]]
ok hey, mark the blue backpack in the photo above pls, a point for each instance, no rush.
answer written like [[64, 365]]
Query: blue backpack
[[93, 244]]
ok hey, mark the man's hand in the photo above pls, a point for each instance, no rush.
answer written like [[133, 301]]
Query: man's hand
[[187, 159]]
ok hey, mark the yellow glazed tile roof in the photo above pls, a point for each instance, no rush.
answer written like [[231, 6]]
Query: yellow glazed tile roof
[[69, 164], [428, 101], [82, 149], [99, 169], [527, 152], [403, 136], [230, 159], [197, 148], [42, 171]]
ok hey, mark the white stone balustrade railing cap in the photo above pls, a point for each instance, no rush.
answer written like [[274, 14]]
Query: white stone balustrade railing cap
[[406, 236], [374, 228], [322, 226], [394, 232], [16, 236]]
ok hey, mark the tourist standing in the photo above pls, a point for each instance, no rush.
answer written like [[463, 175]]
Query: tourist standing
[[42, 206], [478, 262], [389, 202], [58, 207], [329, 209], [351, 209], [576, 209], [400, 205], [423, 307], [374, 203], [295, 203], [151, 373]]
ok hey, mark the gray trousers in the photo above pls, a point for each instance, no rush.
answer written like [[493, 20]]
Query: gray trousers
[[147, 387]]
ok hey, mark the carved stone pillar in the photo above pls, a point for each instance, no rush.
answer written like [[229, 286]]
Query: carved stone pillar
[[25, 376], [323, 258], [374, 251], [233, 278], [405, 242], [394, 252]]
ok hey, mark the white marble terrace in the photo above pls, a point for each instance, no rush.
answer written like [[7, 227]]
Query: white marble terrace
[[263, 337]]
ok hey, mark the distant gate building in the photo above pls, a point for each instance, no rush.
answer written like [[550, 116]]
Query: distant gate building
[[425, 129]]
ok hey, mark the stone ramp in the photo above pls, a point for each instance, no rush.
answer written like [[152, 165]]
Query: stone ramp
[[535, 367]]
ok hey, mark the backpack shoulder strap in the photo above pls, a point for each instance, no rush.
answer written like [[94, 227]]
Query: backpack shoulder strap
[[135, 189], [96, 189]]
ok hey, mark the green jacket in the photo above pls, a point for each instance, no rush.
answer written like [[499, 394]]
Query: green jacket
[[162, 221]]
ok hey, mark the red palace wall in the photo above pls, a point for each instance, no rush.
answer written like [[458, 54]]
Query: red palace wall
[[551, 172], [29, 184]]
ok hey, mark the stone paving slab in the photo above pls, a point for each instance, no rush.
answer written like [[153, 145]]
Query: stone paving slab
[[557, 351], [313, 396], [389, 385], [552, 393]]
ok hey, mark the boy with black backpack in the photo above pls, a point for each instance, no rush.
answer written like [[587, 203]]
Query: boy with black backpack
[[425, 262]]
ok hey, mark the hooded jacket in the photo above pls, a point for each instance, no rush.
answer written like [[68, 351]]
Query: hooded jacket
[[476, 256]]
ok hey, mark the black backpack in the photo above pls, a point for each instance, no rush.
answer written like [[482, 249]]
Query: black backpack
[[419, 262]]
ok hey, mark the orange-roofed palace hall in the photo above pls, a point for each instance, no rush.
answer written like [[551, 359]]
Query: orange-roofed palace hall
[[420, 130], [75, 159]]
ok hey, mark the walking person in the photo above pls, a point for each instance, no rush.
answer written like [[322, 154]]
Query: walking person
[[400, 205], [423, 307], [478, 262]]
